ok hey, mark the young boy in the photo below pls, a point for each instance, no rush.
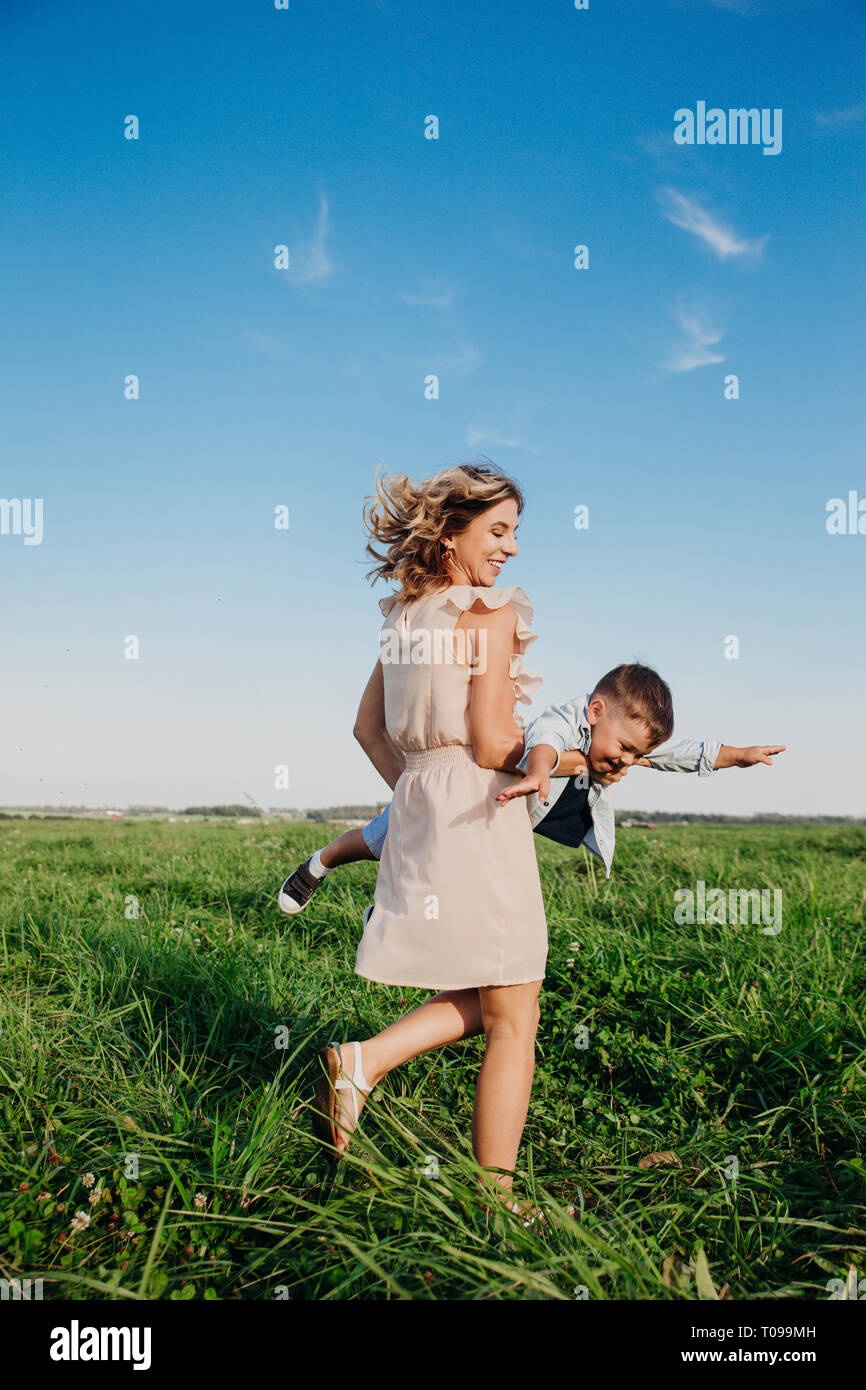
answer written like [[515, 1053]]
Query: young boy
[[585, 746]]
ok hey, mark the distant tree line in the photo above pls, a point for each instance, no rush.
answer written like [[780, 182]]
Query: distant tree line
[[715, 818], [326, 814]]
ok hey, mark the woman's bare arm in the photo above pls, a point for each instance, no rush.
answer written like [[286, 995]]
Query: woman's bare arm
[[370, 731], [571, 763], [497, 741]]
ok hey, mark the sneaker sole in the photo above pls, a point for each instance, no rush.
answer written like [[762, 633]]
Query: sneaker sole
[[289, 906]]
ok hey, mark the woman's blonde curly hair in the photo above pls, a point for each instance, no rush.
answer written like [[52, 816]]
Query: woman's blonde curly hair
[[410, 519]]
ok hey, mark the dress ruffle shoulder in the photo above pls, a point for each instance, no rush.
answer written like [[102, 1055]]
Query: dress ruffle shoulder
[[462, 596], [387, 603]]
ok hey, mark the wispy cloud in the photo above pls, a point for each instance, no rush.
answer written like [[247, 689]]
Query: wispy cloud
[[842, 115], [494, 436], [467, 359], [745, 7], [265, 343], [694, 352], [429, 301], [758, 9], [687, 213], [659, 143], [311, 261]]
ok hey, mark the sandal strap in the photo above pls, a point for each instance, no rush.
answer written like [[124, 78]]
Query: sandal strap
[[347, 1085], [358, 1081], [358, 1071]]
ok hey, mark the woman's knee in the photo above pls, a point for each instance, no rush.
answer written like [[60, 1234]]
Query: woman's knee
[[510, 1016], [517, 1034]]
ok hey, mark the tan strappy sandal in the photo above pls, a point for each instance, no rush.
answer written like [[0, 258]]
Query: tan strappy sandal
[[325, 1120]]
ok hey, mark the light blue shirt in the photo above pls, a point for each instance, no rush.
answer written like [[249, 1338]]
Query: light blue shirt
[[565, 727]]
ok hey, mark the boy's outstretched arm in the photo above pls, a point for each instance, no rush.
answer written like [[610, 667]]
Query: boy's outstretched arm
[[707, 755]]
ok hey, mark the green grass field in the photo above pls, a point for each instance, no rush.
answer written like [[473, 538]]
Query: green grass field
[[171, 1055]]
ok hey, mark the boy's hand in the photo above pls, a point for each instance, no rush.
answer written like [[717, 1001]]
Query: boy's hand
[[540, 762], [525, 788], [758, 753]]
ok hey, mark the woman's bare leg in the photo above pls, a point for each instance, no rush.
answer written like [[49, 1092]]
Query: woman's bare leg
[[510, 1015], [446, 1018]]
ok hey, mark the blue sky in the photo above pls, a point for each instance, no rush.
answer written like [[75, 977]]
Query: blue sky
[[409, 256]]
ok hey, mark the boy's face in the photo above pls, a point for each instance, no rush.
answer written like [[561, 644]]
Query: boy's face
[[617, 740]]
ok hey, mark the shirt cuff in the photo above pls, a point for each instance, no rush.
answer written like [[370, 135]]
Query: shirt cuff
[[709, 753]]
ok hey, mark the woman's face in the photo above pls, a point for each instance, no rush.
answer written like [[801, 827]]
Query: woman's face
[[478, 554]]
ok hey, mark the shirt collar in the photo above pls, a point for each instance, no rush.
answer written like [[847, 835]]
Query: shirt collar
[[582, 722]]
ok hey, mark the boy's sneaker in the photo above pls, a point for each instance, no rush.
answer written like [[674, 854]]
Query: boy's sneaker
[[298, 888]]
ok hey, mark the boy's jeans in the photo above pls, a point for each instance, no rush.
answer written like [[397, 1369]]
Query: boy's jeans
[[374, 833]]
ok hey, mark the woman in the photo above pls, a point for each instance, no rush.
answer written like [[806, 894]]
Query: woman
[[458, 905]]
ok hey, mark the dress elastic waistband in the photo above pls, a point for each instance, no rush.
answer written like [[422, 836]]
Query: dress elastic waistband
[[434, 757]]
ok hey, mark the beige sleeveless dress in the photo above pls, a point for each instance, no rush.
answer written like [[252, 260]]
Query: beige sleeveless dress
[[458, 898]]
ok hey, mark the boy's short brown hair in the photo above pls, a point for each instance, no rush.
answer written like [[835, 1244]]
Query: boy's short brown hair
[[640, 693]]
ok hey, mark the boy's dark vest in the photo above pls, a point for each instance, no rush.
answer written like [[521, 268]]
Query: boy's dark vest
[[569, 818]]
